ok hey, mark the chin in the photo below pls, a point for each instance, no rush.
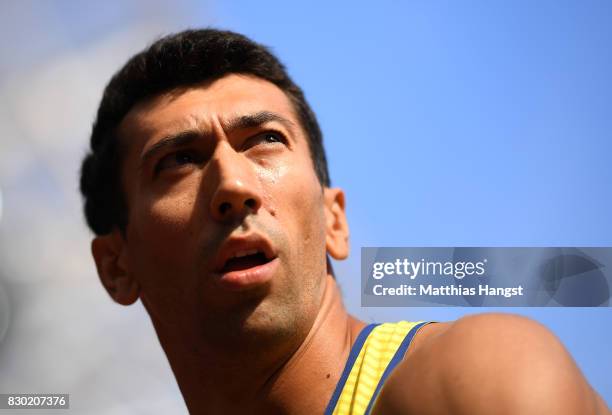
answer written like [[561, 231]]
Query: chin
[[254, 323]]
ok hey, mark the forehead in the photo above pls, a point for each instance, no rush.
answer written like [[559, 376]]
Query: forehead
[[205, 104]]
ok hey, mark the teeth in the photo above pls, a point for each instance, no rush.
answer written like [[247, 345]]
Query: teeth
[[240, 254]]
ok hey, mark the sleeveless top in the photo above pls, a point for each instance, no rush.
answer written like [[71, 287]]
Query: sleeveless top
[[376, 352]]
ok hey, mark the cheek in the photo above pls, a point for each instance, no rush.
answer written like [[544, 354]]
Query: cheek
[[297, 200], [161, 228], [163, 245], [166, 211]]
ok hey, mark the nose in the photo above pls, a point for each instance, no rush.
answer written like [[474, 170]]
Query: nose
[[237, 191]]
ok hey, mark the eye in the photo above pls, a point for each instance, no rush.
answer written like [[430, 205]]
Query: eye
[[272, 137], [178, 159], [266, 138]]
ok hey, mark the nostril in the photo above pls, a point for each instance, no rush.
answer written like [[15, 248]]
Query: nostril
[[224, 207], [250, 203]]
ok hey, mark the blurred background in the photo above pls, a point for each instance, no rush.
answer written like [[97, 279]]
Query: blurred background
[[470, 123]]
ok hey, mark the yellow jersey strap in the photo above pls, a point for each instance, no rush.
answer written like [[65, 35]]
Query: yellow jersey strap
[[375, 353]]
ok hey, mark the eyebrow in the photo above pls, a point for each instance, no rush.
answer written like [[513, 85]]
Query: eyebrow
[[242, 122]]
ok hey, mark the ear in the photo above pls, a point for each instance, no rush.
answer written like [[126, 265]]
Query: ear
[[336, 226], [110, 253]]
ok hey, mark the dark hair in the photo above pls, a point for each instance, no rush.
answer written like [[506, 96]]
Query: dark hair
[[178, 60]]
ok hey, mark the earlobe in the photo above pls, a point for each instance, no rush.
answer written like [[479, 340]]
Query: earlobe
[[336, 227], [110, 256]]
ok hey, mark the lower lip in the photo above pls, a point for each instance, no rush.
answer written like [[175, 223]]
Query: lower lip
[[249, 278]]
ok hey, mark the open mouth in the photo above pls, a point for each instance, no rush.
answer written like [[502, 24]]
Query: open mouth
[[245, 260]]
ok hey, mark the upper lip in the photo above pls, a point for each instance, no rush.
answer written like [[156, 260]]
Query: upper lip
[[243, 244]]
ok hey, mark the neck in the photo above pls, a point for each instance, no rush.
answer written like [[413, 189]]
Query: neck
[[265, 380]]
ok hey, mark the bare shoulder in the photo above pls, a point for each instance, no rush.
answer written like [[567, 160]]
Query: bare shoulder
[[488, 363]]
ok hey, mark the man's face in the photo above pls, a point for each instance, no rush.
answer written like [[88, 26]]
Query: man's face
[[227, 220]]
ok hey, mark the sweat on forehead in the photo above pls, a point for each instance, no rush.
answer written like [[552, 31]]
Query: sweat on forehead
[[253, 101]]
